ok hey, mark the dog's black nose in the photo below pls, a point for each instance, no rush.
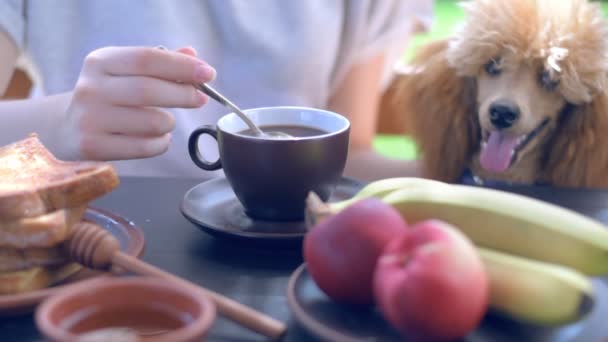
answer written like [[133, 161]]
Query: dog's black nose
[[503, 114]]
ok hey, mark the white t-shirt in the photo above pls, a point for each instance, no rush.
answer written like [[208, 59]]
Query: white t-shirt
[[266, 52]]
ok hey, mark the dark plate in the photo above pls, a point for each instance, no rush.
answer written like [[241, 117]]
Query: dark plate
[[333, 322], [131, 240], [214, 208]]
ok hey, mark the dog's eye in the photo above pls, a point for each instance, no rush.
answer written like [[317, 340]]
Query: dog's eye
[[547, 81], [493, 67]]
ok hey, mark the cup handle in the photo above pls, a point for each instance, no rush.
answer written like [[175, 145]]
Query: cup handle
[[194, 152]]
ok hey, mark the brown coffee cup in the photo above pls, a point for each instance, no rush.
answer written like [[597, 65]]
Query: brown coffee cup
[[271, 177]]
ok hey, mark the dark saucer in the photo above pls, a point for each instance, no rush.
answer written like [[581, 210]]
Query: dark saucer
[[329, 321], [214, 208]]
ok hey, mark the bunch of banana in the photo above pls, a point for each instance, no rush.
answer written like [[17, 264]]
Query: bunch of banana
[[538, 255], [536, 292]]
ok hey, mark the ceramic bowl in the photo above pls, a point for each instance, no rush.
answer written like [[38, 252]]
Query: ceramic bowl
[[126, 309]]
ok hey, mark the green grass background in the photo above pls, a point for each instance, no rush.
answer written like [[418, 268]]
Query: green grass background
[[448, 15]]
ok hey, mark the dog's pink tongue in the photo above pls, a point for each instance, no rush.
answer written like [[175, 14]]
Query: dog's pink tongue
[[496, 155]]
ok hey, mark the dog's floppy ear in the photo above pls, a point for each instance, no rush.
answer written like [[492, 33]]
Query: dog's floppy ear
[[577, 155], [440, 112]]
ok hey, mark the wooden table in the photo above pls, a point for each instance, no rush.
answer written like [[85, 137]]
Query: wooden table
[[254, 276]]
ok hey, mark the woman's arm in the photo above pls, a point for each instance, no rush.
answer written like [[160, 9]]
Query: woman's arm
[[116, 110], [21, 117], [358, 98], [8, 59]]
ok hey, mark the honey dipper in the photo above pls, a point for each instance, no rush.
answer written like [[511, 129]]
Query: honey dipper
[[97, 249]]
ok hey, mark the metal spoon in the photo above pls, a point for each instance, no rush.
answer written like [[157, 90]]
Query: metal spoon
[[214, 94]]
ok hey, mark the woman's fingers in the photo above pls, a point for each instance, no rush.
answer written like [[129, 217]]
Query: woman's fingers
[[136, 121], [120, 147], [115, 108], [149, 61], [148, 91], [190, 51]]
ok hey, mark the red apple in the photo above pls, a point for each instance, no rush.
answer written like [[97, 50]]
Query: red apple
[[430, 283], [341, 251]]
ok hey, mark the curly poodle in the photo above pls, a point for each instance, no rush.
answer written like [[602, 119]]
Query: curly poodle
[[519, 94]]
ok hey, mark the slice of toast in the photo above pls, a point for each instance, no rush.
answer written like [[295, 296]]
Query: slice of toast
[[59, 273], [33, 182], [36, 278], [12, 259], [24, 281], [43, 231]]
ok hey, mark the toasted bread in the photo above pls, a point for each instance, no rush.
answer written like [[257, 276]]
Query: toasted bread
[[44, 231], [12, 259], [36, 278], [24, 281], [59, 273], [33, 182]]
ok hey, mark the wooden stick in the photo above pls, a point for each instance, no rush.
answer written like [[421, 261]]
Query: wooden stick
[[240, 313], [94, 247]]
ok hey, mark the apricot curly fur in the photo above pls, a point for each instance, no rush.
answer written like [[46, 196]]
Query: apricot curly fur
[[577, 156], [437, 93], [439, 105]]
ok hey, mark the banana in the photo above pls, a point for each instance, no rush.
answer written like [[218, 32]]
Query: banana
[[507, 222], [383, 187], [316, 209], [535, 292], [511, 223]]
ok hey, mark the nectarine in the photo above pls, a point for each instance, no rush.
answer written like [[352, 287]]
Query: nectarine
[[341, 251], [430, 283]]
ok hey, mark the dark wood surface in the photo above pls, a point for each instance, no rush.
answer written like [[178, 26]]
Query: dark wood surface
[[254, 275]]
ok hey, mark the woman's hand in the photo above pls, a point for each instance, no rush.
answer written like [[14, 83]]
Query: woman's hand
[[116, 107]]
